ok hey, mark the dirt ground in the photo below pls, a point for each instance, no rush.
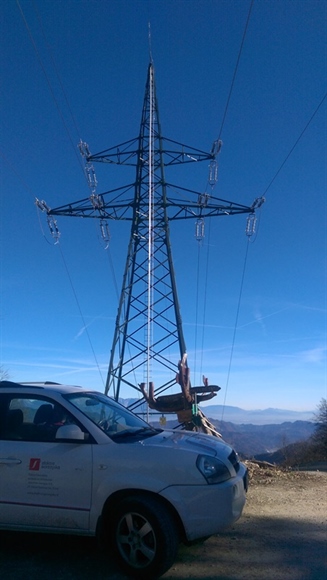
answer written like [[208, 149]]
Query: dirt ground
[[281, 536]]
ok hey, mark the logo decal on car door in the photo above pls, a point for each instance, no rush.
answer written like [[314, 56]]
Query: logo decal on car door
[[34, 464]]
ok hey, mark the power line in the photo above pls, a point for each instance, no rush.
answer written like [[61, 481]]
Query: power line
[[49, 84], [236, 69], [247, 248], [205, 298], [235, 327], [70, 139], [64, 261], [81, 313], [295, 144], [196, 309], [56, 69], [219, 144]]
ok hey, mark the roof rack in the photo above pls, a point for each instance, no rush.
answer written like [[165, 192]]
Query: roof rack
[[7, 384], [11, 384], [37, 383]]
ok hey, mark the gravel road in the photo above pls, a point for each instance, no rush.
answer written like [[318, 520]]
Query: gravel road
[[281, 536]]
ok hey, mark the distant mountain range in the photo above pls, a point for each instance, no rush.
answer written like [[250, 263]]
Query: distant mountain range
[[251, 440], [241, 416], [255, 417], [249, 432]]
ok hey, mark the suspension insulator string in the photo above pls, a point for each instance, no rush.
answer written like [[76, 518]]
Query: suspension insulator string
[[54, 231], [251, 222], [105, 233], [213, 172], [199, 229]]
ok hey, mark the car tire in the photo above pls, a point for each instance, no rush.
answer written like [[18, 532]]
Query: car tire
[[144, 537]]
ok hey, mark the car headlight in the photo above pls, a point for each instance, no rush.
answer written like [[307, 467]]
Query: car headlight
[[213, 470]]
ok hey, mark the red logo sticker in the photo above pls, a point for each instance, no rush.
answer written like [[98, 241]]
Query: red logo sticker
[[35, 464]]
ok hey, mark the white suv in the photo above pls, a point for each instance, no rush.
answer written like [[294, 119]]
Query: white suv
[[75, 461]]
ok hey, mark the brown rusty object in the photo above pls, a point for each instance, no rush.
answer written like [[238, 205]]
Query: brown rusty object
[[180, 401]]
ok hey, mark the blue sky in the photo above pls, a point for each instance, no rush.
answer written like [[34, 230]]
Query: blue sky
[[100, 50]]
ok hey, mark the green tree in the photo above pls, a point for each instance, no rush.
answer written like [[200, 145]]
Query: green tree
[[320, 434]]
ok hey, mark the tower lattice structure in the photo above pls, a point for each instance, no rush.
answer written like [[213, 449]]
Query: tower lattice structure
[[148, 338]]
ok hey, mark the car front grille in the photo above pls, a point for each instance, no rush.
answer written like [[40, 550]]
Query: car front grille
[[233, 458]]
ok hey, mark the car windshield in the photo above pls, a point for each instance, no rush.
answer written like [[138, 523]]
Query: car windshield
[[114, 419]]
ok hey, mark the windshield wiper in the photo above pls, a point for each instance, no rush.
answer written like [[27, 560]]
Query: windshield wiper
[[145, 431]]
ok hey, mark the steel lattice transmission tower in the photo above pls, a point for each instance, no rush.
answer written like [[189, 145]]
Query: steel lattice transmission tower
[[148, 338]]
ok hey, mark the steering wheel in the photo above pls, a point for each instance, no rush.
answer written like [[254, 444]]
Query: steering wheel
[[105, 425]]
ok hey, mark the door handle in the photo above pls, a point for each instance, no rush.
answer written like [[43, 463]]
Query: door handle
[[9, 461]]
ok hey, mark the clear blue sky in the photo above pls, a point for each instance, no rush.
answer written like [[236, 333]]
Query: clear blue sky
[[100, 49]]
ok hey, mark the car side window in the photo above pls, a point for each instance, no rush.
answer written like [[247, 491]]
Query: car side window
[[33, 419]]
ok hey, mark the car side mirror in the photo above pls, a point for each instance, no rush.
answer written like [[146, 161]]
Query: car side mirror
[[71, 432]]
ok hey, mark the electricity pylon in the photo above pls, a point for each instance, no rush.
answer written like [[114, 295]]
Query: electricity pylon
[[148, 337]]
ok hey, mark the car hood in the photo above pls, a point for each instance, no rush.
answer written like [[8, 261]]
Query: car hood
[[189, 441]]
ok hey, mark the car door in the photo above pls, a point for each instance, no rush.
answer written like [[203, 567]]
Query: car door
[[44, 482]]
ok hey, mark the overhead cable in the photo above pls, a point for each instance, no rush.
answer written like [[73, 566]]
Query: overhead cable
[[49, 84], [81, 313], [236, 68], [295, 144], [235, 328]]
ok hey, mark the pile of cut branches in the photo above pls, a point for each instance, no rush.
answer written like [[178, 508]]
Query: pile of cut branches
[[263, 472]]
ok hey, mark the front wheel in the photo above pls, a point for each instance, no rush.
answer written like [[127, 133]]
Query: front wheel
[[144, 537]]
